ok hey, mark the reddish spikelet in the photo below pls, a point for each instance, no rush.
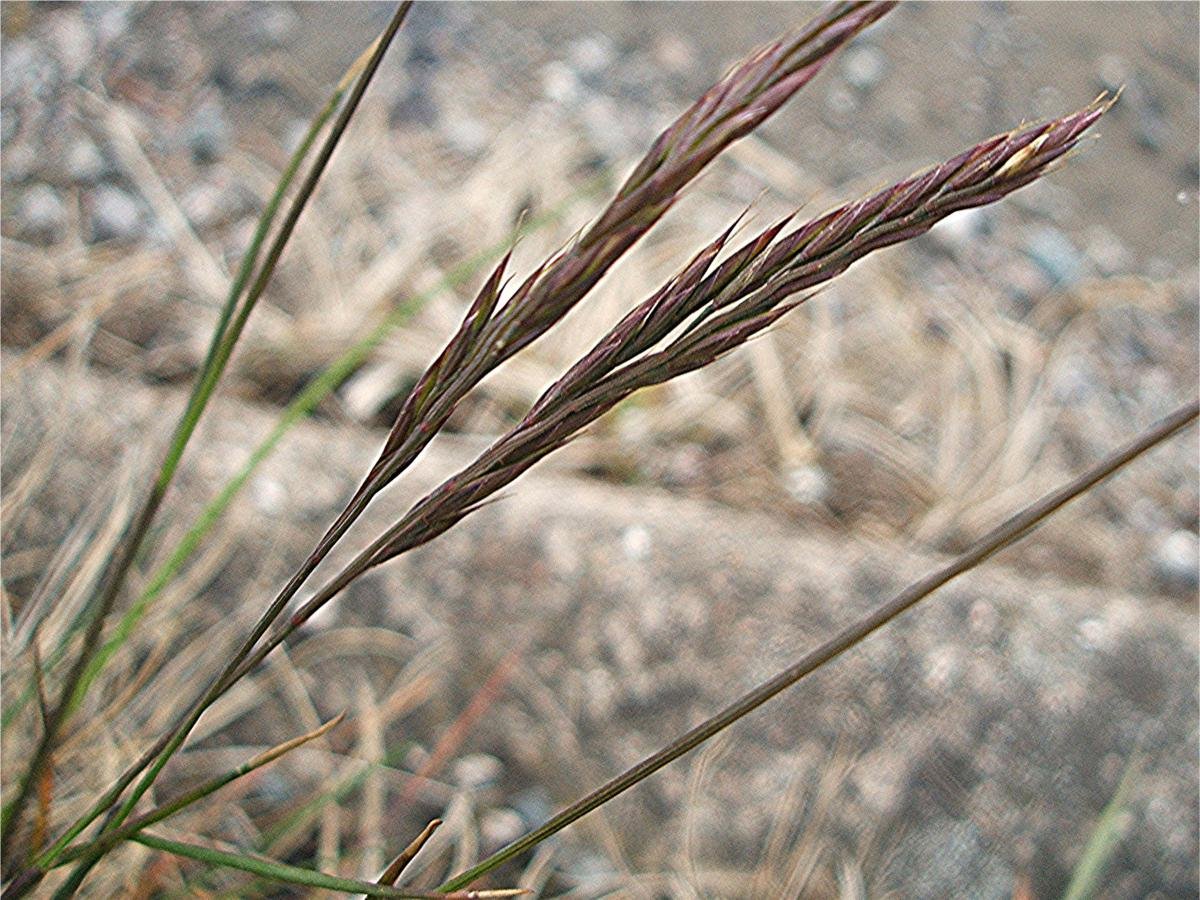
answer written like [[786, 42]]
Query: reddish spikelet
[[732, 302]]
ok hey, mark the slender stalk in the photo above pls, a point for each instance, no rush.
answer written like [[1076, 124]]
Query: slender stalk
[[1106, 837], [218, 359], [113, 579], [488, 336], [721, 308], [731, 109], [1007, 533]]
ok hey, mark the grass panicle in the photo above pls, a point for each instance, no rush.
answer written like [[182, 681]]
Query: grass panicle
[[492, 333], [718, 308]]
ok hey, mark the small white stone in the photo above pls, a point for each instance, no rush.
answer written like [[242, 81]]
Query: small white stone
[[467, 135], [959, 229], [498, 827], [1093, 634], [941, 667], [1177, 559], [807, 484], [863, 66], [115, 214], [592, 54], [268, 495], [476, 770], [636, 542], [85, 163], [559, 83], [43, 213]]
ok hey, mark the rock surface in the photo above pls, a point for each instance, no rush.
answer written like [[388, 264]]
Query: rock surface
[[988, 728]]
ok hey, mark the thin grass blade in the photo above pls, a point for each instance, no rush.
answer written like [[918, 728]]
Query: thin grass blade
[[309, 878], [1012, 530], [1106, 836]]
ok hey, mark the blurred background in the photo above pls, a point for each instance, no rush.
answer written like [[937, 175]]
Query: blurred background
[[909, 406]]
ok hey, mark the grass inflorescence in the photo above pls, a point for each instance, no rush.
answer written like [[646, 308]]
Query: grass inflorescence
[[715, 303]]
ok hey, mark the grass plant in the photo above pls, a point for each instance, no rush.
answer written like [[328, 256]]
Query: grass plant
[[719, 300]]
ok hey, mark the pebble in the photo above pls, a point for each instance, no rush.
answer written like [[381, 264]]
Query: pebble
[[864, 66], [1094, 634], [592, 54], [499, 827], [43, 214], [271, 24], [207, 205], [208, 132], [1176, 560], [590, 872], [636, 543], [466, 135], [840, 105], [85, 163], [559, 83], [476, 770], [960, 229], [108, 20], [72, 44], [807, 484], [534, 805], [268, 495], [1053, 253], [674, 54], [114, 215], [24, 67]]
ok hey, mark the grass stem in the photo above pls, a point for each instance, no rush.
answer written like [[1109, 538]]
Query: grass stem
[[1000, 537]]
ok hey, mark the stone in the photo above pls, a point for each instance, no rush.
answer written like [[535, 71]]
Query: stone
[[476, 770], [1053, 253], [43, 214], [1177, 561], [114, 216], [863, 66], [208, 132], [85, 163]]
